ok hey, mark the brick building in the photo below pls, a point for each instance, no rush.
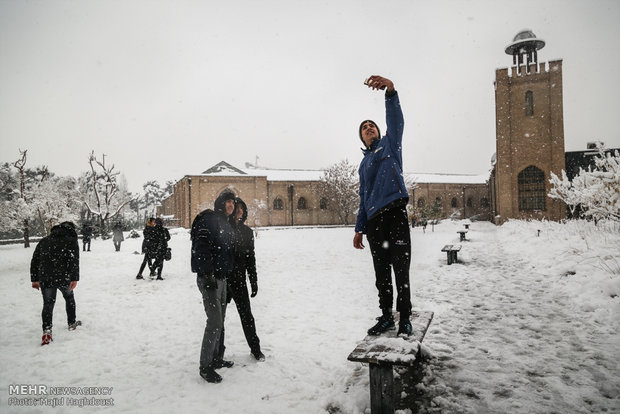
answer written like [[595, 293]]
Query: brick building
[[529, 134], [290, 197]]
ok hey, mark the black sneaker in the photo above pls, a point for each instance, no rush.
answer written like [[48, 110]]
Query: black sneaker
[[220, 363], [384, 324], [259, 356], [404, 327], [74, 325], [139, 277], [159, 278], [209, 375]]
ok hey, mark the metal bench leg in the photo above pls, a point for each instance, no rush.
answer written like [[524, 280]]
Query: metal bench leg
[[454, 259], [381, 389], [449, 258]]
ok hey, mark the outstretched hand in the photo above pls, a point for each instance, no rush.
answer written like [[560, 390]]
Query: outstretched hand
[[379, 82]]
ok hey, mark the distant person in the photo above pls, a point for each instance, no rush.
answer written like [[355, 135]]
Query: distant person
[[158, 247], [117, 237], [147, 234], [212, 260], [244, 263], [382, 212], [87, 234], [55, 265]]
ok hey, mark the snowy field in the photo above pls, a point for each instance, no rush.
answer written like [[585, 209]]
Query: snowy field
[[523, 324]]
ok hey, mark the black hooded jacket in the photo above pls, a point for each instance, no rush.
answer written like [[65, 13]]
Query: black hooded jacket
[[212, 240], [245, 258], [56, 259]]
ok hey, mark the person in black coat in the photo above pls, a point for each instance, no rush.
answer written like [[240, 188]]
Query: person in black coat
[[212, 261], [158, 246], [244, 263], [147, 234], [55, 265], [87, 234]]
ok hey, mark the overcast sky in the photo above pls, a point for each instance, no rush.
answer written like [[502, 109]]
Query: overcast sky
[[169, 88]]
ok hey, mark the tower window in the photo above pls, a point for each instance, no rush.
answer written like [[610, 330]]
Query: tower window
[[323, 204], [421, 202], [531, 189], [454, 203], [278, 204], [529, 103]]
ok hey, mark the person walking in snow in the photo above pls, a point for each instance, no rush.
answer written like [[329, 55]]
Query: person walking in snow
[[212, 260], [147, 233], [244, 263], [382, 212], [117, 235], [55, 265], [158, 246], [87, 234]]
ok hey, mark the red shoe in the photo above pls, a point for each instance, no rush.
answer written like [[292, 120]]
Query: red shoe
[[47, 337]]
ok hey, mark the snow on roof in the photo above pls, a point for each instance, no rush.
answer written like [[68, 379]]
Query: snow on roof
[[425, 178], [226, 170]]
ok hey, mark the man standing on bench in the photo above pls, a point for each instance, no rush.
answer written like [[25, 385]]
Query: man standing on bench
[[382, 214]]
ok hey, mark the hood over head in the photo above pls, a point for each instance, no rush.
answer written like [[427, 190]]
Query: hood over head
[[239, 203], [64, 229], [220, 202]]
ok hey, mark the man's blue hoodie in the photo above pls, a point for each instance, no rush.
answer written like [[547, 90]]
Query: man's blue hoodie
[[381, 169]]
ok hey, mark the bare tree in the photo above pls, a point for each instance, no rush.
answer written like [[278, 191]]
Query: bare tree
[[339, 185], [109, 200], [20, 165]]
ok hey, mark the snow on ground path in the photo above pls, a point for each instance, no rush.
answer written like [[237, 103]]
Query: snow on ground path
[[507, 337]]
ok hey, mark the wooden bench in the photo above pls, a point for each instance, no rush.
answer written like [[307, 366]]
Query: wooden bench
[[462, 234], [383, 352], [452, 250]]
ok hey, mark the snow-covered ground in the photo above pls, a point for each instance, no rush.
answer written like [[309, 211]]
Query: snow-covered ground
[[523, 324]]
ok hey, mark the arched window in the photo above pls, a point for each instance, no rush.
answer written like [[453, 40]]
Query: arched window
[[437, 202], [323, 204], [469, 202], [484, 202], [531, 189], [454, 203], [421, 202], [302, 204], [529, 103], [278, 204]]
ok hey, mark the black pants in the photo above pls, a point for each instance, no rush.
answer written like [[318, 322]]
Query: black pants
[[238, 291], [49, 300], [390, 245], [147, 260], [117, 246], [158, 264]]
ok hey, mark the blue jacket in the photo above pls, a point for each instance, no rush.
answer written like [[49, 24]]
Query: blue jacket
[[212, 242], [381, 169]]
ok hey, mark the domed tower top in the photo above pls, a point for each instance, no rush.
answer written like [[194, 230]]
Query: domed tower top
[[525, 43]]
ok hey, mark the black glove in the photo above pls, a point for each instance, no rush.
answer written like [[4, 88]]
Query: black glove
[[209, 281], [254, 288]]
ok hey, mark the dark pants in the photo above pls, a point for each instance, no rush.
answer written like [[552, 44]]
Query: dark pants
[[49, 300], [147, 260], [239, 293], [214, 302], [117, 246], [84, 243], [158, 264], [390, 244]]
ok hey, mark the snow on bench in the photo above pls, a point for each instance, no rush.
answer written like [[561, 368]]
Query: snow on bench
[[462, 233], [383, 352], [452, 250]]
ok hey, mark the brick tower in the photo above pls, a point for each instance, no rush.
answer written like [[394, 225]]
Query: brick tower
[[529, 134]]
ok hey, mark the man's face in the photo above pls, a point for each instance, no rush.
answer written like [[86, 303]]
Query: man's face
[[230, 206], [369, 133]]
